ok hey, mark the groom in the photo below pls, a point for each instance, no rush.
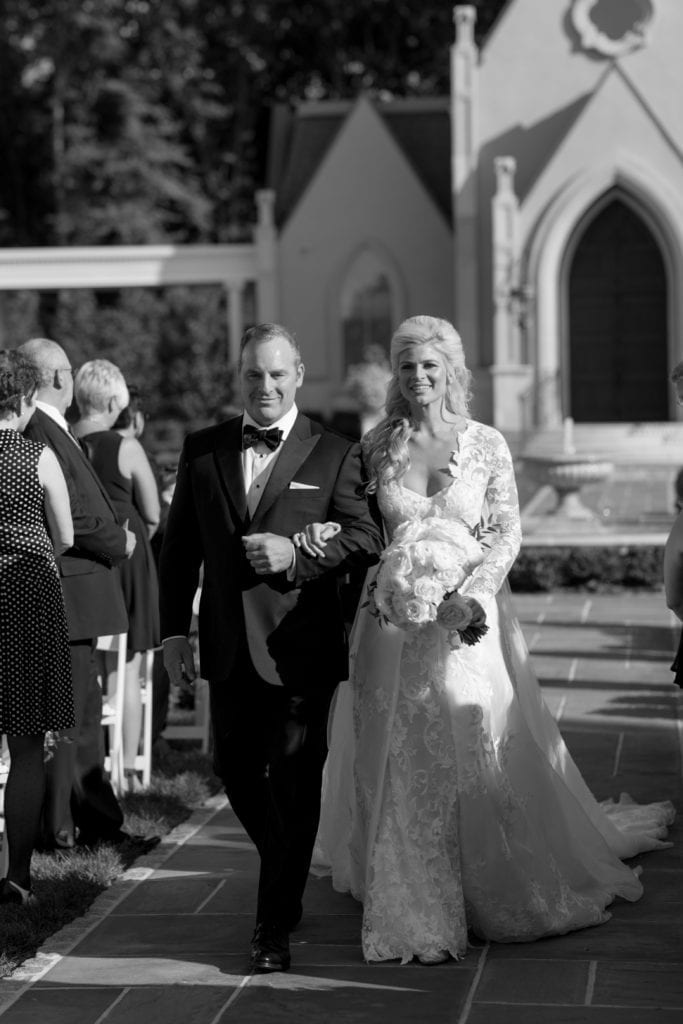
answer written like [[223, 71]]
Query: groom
[[271, 632]]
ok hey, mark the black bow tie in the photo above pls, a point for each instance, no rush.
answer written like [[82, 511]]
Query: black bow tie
[[271, 437]]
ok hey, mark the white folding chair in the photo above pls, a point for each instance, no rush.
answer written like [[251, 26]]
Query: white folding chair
[[113, 762], [4, 772], [143, 760]]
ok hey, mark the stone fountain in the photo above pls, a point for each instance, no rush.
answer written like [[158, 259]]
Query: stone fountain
[[567, 472]]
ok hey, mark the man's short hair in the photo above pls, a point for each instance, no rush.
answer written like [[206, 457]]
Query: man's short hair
[[677, 373], [46, 355], [266, 332], [96, 383]]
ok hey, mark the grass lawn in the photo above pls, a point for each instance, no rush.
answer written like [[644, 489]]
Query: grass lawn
[[65, 886]]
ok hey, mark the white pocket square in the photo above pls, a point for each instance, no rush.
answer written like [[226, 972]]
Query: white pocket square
[[296, 486]]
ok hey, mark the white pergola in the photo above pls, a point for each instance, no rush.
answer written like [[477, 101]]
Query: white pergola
[[144, 266]]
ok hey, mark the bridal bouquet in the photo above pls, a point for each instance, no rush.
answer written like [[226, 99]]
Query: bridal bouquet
[[419, 575]]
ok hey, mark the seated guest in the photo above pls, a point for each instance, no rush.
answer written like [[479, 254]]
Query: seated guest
[[80, 802], [122, 465], [35, 667]]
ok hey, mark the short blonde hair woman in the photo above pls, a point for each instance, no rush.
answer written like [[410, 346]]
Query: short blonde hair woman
[[123, 467]]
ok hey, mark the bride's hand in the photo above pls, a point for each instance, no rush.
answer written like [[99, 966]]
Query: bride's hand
[[314, 537]]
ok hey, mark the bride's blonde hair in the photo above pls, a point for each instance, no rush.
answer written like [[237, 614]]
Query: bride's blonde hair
[[386, 446]]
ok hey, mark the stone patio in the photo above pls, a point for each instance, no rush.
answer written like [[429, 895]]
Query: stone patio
[[169, 942]]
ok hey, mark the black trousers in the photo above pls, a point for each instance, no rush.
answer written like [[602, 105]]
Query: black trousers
[[78, 792], [269, 751]]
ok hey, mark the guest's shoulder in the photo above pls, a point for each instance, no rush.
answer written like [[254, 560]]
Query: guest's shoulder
[[32, 445]]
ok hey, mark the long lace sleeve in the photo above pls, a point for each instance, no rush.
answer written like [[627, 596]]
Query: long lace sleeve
[[502, 531]]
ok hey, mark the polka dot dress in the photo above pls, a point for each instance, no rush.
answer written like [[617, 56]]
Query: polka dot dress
[[35, 665]]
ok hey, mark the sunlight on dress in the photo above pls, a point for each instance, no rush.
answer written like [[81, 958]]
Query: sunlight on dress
[[451, 801]]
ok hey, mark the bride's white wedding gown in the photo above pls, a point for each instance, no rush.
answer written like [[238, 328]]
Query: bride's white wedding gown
[[450, 800]]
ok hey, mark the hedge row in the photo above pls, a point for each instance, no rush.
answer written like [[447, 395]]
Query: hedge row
[[587, 568]]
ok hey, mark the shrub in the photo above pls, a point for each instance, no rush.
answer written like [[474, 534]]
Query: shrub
[[590, 568]]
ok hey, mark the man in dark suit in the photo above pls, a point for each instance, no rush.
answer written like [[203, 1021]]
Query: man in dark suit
[[80, 802], [271, 632]]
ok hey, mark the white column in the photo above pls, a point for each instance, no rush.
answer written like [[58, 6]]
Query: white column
[[265, 237], [511, 378], [234, 291], [504, 249], [464, 165], [464, 60]]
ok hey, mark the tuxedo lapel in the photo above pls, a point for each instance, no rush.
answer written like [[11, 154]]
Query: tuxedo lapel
[[295, 450], [229, 462]]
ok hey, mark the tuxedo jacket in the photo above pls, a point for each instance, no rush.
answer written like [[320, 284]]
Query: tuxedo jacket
[[91, 585], [294, 628]]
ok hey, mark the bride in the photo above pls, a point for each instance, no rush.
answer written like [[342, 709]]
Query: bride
[[452, 805]]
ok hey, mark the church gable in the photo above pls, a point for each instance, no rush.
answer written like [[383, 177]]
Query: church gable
[[306, 144], [615, 128], [543, 56]]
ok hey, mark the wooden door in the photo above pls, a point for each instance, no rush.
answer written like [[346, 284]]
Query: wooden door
[[618, 321]]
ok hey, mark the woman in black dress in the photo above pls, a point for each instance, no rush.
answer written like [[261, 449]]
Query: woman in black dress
[[35, 666], [123, 467]]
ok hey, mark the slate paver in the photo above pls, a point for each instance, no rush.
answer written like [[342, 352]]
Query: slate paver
[[173, 945], [638, 984], [505, 981]]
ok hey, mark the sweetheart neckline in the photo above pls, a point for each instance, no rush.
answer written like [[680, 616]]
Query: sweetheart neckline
[[457, 451]]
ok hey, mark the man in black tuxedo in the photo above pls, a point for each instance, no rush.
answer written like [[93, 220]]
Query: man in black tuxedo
[[80, 802], [271, 632]]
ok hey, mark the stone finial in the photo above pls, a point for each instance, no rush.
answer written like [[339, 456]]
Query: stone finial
[[265, 203], [465, 17], [505, 167]]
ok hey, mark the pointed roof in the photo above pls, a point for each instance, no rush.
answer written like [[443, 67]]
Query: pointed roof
[[301, 136]]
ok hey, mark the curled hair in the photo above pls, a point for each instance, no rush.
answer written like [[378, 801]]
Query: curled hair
[[19, 379], [386, 446], [96, 383]]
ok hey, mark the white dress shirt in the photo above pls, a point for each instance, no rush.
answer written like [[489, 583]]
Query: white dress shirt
[[258, 461]]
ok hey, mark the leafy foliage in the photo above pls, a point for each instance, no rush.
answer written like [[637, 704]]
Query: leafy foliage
[[132, 122], [589, 568]]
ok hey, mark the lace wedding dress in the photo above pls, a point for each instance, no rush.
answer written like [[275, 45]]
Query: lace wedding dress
[[450, 800]]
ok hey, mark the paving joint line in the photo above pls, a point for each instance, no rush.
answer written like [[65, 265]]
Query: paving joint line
[[106, 1013], [59, 945], [465, 1012]]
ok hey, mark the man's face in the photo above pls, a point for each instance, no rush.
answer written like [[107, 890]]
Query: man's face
[[269, 378]]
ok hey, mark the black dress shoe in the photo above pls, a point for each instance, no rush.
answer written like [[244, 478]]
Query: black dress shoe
[[11, 893], [270, 948]]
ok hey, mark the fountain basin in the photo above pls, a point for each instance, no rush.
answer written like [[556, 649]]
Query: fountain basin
[[567, 473]]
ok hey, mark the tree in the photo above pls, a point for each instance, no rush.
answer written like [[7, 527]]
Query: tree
[[133, 121]]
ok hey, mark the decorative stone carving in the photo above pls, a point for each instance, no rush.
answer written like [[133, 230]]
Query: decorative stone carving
[[465, 17], [612, 28]]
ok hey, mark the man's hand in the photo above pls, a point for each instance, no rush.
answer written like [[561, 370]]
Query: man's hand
[[179, 660], [268, 552], [314, 537]]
